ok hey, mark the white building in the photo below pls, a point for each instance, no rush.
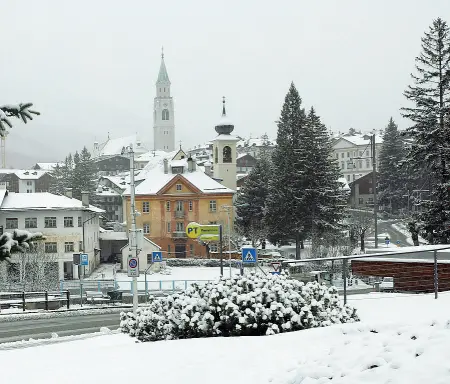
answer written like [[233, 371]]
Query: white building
[[112, 147], [224, 152], [163, 113], [61, 219], [354, 155], [255, 145]]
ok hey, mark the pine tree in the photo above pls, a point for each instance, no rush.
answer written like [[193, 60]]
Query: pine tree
[[21, 111], [285, 210], [431, 130], [57, 185], [392, 177], [251, 202], [324, 195], [89, 173], [67, 173]]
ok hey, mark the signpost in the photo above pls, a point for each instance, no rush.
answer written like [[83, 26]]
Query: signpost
[[207, 233], [133, 266], [84, 259], [157, 257], [249, 255]]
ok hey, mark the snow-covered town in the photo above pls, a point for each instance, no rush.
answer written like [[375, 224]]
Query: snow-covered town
[[279, 214]]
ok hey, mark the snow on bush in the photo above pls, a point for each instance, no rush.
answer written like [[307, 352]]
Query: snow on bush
[[250, 305]]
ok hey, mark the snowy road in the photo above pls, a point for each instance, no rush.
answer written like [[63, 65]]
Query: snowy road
[[63, 326], [394, 235]]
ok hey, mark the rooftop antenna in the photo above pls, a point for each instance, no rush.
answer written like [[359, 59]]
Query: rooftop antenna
[[224, 113]]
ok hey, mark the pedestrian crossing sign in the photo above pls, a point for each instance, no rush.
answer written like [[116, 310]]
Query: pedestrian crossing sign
[[156, 257], [249, 255]]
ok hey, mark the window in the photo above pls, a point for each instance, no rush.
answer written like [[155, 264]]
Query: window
[[29, 183], [29, 191], [68, 221], [360, 153], [51, 248], [361, 200], [227, 154], [342, 154], [191, 250], [370, 190], [348, 154], [179, 207], [337, 155], [168, 206], [216, 155], [169, 227], [12, 223], [367, 163], [179, 187], [212, 206], [165, 114], [146, 207], [342, 164], [80, 246], [348, 177], [360, 164], [180, 226], [168, 250], [368, 152], [213, 247], [146, 228], [30, 222], [191, 205], [50, 222], [68, 246]]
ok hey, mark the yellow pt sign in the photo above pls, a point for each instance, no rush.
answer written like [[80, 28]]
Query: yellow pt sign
[[194, 230]]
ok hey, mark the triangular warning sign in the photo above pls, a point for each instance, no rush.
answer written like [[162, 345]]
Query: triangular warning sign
[[249, 256]]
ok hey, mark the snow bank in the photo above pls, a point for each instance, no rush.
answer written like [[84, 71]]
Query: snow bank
[[253, 305]]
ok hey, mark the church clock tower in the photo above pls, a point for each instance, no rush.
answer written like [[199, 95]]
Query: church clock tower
[[163, 116]]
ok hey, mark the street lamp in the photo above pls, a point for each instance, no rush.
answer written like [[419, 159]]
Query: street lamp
[[228, 208]]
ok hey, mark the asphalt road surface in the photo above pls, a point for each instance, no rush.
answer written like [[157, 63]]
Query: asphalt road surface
[[394, 235], [63, 326]]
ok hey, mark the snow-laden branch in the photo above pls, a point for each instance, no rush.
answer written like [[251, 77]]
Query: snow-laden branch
[[19, 111], [18, 241]]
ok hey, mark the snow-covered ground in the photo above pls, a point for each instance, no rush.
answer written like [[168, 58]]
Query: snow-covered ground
[[401, 339], [400, 227]]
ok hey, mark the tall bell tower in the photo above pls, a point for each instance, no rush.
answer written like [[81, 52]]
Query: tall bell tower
[[163, 112], [224, 152]]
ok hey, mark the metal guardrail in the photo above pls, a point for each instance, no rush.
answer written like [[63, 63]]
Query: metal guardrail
[[20, 299], [406, 274]]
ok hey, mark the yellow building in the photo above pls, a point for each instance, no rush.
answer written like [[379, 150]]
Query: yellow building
[[173, 194]]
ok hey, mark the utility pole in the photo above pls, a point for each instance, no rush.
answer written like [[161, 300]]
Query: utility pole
[[133, 241], [374, 188]]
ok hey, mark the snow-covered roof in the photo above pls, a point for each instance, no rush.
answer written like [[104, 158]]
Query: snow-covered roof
[[43, 201], [113, 235], [256, 142], [227, 138], [147, 240], [106, 191], [360, 139], [344, 181], [115, 146], [156, 179], [151, 155], [48, 166], [30, 174]]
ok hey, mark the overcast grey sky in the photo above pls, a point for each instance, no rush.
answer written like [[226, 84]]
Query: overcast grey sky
[[90, 66]]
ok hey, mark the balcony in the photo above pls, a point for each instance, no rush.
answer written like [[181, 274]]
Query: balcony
[[179, 214], [179, 235]]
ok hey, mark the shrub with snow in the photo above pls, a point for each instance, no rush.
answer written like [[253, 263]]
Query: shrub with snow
[[250, 305]]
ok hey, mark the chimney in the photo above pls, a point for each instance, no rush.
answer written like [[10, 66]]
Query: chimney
[[191, 164], [208, 168], [166, 166], [85, 199], [69, 192]]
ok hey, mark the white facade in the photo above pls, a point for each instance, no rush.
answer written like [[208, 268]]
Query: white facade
[[163, 113], [66, 231], [354, 155], [148, 247]]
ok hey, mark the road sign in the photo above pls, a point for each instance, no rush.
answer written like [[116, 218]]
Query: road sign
[[194, 230], [276, 265], [275, 272], [209, 237], [133, 266], [157, 257], [249, 255], [84, 259]]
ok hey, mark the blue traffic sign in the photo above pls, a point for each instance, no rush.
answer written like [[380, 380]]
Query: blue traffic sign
[[84, 259], [249, 255], [132, 263], [275, 272], [157, 257]]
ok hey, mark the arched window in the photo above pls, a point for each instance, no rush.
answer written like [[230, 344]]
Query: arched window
[[227, 154], [216, 155], [165, 114]]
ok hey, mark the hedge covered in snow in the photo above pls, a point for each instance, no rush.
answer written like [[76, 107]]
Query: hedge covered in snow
[[250, 305]]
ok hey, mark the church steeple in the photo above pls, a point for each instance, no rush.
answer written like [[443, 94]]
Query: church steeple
[[163, 77]]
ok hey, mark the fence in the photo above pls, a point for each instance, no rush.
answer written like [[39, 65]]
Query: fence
[[423, 269], [34, 300]]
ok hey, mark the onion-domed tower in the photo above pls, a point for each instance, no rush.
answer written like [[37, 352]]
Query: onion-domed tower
[[224, 152]]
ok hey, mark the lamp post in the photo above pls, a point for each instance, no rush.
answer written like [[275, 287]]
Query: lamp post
[[374, 185], [228, 208], [133, 240]]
